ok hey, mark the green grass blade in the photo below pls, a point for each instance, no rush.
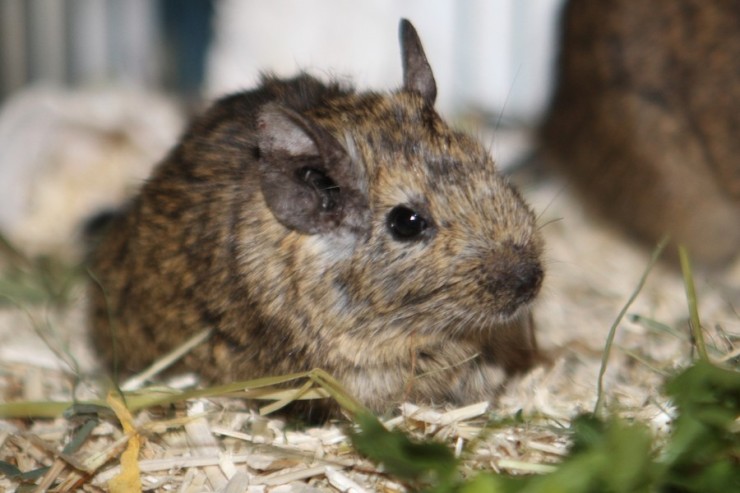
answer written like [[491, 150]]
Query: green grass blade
[[613, 329], [688, 279]]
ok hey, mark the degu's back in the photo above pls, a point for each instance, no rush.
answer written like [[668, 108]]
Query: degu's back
[[646, 118]]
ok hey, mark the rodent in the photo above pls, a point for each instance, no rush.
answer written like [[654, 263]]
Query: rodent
[[645, 117], [312, 226]]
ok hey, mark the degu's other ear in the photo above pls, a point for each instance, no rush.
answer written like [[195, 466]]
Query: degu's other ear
[[417, 73]]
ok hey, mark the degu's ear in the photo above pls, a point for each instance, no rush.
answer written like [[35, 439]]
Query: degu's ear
[[306, 176], [417, 73]]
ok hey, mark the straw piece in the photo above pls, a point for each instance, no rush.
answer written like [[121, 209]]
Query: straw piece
[[342, 482]]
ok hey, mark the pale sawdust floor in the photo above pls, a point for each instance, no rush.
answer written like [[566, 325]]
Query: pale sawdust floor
[[219, 444]]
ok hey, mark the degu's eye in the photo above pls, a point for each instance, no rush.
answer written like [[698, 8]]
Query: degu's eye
[[405, 224]]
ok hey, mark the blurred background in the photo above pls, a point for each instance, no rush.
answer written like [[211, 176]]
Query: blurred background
[[94, 92], [485, 53]]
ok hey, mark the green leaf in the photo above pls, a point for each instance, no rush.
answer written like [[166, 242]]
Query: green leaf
[[612, 456], [487, 483], [702, 454], [422, 463]]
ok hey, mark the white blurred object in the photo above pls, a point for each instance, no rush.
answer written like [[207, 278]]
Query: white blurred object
[[494, 55], [66, 155], [355, 40]]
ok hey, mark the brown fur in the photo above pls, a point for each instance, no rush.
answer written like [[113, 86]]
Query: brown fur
[[292, 276], [646, 118]]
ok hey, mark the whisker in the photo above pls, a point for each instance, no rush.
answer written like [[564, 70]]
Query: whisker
[[552, 200], [542, 226]]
